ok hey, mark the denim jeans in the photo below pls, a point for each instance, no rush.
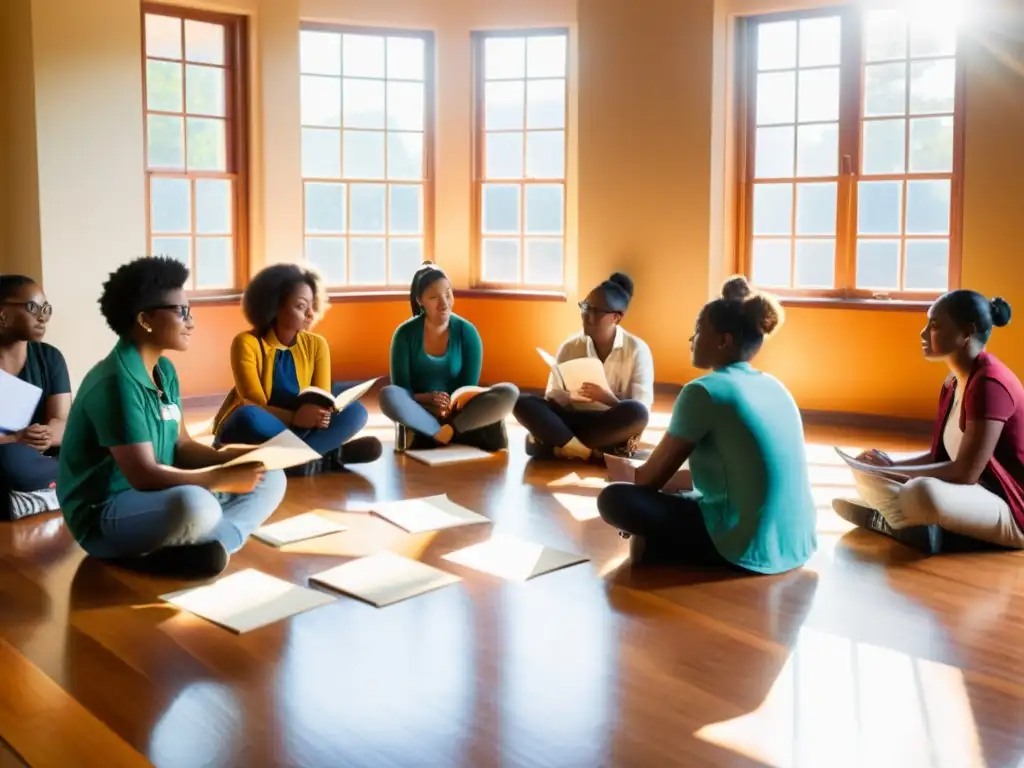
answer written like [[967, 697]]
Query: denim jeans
[[252, 425]]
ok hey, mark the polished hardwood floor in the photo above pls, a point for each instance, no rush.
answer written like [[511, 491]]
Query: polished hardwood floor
[[869, 656]]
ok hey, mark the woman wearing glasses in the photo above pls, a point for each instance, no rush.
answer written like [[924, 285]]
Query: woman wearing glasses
[[134, 487], [28, 467], [595, 420]]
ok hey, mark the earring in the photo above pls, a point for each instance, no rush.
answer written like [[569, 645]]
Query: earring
[[148, 329]]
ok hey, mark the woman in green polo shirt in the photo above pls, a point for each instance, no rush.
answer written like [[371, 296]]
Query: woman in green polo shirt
[[134, 487], [742, 433], [433, 356]]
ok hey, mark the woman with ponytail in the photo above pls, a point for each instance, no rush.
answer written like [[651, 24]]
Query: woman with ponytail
[[971, 482], [433, 355], [741, 432], [594, 421]]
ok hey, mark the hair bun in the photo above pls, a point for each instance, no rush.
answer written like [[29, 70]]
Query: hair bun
[[624, 281], [1000, 309], [736, 288]]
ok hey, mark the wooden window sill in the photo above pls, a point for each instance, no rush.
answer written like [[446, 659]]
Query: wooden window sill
[[884, 305], [510, 293]]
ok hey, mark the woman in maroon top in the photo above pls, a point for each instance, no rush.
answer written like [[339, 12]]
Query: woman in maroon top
[[971, 482]]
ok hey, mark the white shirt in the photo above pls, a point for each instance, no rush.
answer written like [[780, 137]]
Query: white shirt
[[629, 366], [952, 435]]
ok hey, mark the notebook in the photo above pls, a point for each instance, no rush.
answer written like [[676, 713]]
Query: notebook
[[18, 402], [300, 528], [433, 513], [448, 454], [513, 559], [384, 578]]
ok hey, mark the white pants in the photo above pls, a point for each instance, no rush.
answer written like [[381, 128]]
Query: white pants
[[969, 510]]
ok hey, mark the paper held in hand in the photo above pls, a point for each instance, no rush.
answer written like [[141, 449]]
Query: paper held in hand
[[621, 470], [282, 451], [571, 375], [871, 469], [18, 402], [324, 399]]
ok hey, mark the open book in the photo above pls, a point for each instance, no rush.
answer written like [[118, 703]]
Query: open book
[[324, 399], [18, 402], [463, 395], [571, 375]]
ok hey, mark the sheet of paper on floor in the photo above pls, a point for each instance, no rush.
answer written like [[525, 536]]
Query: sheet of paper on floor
[[448, 454], [432, 513], [514, 559], [299, 528], [384, 578]]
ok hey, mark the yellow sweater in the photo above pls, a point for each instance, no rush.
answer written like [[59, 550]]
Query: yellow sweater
[[252, 365]]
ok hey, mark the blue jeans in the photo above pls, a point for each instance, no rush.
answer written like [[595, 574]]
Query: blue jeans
[[251, 425], [135, 523]]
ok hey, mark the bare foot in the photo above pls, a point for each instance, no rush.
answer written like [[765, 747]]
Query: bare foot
[[445, 435]]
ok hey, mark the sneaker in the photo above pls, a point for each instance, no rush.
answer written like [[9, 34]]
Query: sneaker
[[537, 450], [924, 538], [22, 504], [361, 450], [189, 561]]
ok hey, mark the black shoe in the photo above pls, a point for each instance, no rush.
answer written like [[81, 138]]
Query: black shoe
[[923, 538], [190, 561], [362, 450], [628, 449]]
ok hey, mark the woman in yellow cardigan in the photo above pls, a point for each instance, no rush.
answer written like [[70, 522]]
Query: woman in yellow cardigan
[[278, 358]]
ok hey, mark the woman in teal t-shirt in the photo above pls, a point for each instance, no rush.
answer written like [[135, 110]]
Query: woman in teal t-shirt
[[742, 433], [433, 356]]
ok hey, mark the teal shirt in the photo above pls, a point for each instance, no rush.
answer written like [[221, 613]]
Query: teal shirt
[[416, 371], [749, 467]]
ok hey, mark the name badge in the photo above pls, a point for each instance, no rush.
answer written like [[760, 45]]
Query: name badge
[[170, 412]]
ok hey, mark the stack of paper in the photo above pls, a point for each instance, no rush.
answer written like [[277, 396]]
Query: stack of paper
[[384, 578], [300, 528], [433, 513], [449, 454]]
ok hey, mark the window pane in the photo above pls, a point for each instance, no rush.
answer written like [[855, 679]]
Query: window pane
[[213, 262], [815, 264], [773, 209], [321, 101], [933, 36], [165, 142], [363, 102], [504, 105], [328, 256], [543, 262], [932, 86], [501, 261], [163, 86], [170, 205], [771, 263], [776, 98], [878, 264], [406, 211], [205, 90], [406, 60], [179, 248], [816, 209], [546, 56], [504, 58], [213, 206], [879, 207], [367, 262], [885, 90], [773, 155], [884, 145], [545, 205], [819, 96], [820, 41], [931, 145], [545, 104], [319, 53], [501, 209], [405, 156], [325, 208], [163, 36], [405, 106], [406, 257], [204, 42], [817, 152], [503, 154], [545, 155], [885, 35], [321, 153], [207, 144], [366, 209], [928, 204], [776, 45], [927, 267], [362, 56], [364, 155]]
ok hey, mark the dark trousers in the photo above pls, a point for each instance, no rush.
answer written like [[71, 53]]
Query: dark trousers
[[23, 468], [251, 425], [554, 426]]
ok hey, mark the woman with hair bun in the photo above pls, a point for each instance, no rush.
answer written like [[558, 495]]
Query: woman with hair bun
[[971, 482], [605, 421], [741, 431]]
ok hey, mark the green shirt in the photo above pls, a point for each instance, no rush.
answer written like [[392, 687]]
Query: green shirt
[[413, 369], [749, 467], [117, 404]]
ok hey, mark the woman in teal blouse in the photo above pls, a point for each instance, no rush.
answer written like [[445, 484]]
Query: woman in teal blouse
[[433, 356]]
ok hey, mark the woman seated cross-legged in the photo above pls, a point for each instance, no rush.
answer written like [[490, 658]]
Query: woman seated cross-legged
[[275, 361], [751, 506], [595, 420], [134, 487], [433, 355], [971, 482], [28, 463]]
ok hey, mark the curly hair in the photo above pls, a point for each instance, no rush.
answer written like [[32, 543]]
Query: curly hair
[[137, 286], [272, 286], [750, 316]]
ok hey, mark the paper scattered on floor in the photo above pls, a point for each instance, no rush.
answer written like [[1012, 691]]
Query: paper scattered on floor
[[384, 578], [432, 513], [300, 528], [448, 454], [513, 559]]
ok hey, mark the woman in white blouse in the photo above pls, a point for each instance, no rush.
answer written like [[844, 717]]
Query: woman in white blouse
[[607, 420]]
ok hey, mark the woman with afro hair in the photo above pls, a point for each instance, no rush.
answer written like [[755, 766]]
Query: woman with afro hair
[[122, 484]]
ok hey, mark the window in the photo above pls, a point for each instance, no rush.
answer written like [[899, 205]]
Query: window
[[852, 171], [520, 158], [366, 160], [195, 113]]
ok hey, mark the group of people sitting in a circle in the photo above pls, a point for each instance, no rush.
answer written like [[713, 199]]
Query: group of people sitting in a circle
[[136, 489]]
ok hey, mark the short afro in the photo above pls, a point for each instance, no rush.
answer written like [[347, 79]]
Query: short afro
[[11, 284], [137, 286], [272, 286]]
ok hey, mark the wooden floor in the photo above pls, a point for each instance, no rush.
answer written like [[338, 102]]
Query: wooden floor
[[869, 656]]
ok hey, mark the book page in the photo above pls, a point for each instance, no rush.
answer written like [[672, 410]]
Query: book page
[[295, 529], [583, 370], [433, 513], [448, 454], [352, 394], [513, 559], [18, 402], [384, 578], [282, 451], [892, 473], [552, 363]]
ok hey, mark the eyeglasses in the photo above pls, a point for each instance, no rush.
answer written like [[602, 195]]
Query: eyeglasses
[[42, 311], [183, 310], [589, 310]]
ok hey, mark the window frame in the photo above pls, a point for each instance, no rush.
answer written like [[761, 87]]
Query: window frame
[[850, 150], [236, 117], [479, 178]]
